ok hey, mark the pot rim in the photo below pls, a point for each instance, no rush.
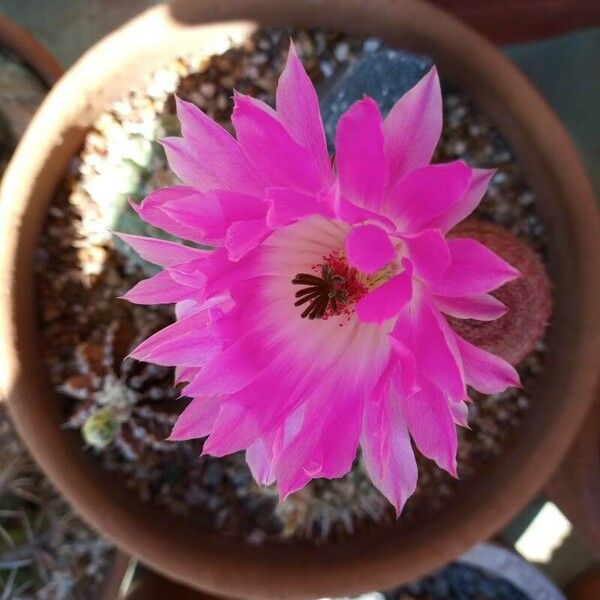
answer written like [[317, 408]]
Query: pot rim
[[22, 43], [387, 556]]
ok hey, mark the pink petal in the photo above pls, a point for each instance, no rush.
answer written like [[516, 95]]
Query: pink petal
[[149, 346], [160, 252], [473, 269], [386, 301], [428, 251], [487, 373], [431, 425], [160, 289], [360, 158], [422, 329], [369, 248], [422, 197], [405, 374], [326, 443], [233, 369], [185, 374], [351, 213], [234, 430], [298, 110], [240, 207], [460, 413], [217, 273], [464, 206], [184, 162], [197, 420], [216, 152], [244, 236], [200, 212], [481, 307], [270, 148], [259, 457], [387, 450], [151, 211], [192, 349], [288, 205], [413, 127]]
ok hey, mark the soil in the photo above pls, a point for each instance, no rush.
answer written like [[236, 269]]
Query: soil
[[81, 273]]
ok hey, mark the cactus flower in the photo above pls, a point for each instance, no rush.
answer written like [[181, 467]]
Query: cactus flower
[[318, 323]]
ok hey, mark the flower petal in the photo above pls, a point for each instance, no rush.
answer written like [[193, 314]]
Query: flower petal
[[464, 206], [386, 448], [151, 211], [298, 110], [210, 213], [233, 369], [259, 457], [160, 252], [244, 236], [360, 158], [146, 350], [422, 329], [369, 248], [187, 166], [287, 206], [482, 307], [387, 300], [428, 251], [234, 430], [460, 413], [197, 420], [413, 127], [473, 269], [486, 372], [270, 148], [216, 152], [431, 425], [422, 198], [387, 451], [160, 289]]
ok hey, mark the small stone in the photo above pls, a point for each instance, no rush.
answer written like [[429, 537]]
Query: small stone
[[384, 75], [208, 89], [342, 51], [371, 44]]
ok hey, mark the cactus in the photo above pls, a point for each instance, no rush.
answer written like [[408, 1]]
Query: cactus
[[528, 298], [119, 400]]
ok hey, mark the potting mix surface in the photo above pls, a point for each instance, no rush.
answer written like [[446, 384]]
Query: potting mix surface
[[125, 409]]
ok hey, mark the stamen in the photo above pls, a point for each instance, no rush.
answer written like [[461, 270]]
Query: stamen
[[334, 292]]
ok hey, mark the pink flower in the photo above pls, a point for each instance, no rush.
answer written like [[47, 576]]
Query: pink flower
[[317, 324]]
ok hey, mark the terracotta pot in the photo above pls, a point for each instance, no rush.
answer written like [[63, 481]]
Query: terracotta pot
[[22, 43], [370, 561], [575, 487], [505, 21], [148, 585]]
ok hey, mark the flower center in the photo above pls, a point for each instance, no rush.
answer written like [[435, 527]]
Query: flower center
[[332, 289]]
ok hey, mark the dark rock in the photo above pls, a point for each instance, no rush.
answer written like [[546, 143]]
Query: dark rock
[[385, 75]]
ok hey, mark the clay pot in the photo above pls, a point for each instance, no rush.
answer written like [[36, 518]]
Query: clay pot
[[390, 555], [575, 487], [507, 22], [148, 585], [22, 43]]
